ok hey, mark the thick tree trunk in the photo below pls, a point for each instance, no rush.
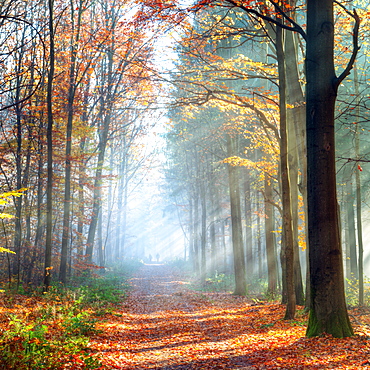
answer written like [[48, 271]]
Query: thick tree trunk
[[328, 313]]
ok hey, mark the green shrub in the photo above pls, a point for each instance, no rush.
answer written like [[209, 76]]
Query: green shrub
[[30, 347], [352, 292], [79, 325], [56, 331]]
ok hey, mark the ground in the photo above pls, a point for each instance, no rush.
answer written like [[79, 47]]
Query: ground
[[164, 324]]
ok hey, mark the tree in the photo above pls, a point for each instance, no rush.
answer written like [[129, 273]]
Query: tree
[[328, 311], [236, 220], [75, 38], [288, 242], [49, 135]]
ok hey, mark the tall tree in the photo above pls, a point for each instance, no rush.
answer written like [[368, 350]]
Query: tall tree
[[328, 312], [288, 242], [74, 41], [236, 220], [49, 135]]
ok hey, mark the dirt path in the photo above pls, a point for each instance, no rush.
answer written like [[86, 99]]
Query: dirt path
[[165, 325]]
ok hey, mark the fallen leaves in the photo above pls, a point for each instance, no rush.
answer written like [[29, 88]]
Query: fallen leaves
[[165, 325]]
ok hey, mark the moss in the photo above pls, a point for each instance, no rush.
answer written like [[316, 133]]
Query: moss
[[336, 324]]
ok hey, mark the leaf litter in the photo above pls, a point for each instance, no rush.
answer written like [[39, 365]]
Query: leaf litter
[[163, 324]]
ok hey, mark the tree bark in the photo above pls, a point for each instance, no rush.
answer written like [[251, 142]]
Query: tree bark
[[351, 228], [270, 240], [49, 139], [70, 109], [236, 223], [196, 233], [328, 313], [248, 224], [359, 200], [285, 182], [203, 205]]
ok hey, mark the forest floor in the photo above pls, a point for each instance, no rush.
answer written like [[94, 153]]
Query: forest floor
[[162, 321], [164, 324]]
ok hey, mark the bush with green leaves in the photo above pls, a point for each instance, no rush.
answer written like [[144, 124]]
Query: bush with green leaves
[[352, 292], [57, 330], [31, 347]]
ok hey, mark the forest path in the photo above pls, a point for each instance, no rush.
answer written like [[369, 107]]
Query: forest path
[[163, 324]]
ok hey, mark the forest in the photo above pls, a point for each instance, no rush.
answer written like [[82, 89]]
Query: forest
[[199, 159]]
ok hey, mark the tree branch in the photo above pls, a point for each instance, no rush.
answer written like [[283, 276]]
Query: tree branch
[[295, 28], [356, 47]]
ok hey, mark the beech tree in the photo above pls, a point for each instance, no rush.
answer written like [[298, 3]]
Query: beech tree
[[328, 313]]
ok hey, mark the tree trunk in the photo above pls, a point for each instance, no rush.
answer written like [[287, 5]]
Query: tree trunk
[[248, 223], [196, 234], [259, 239], [203, 244], [296, 122], [328, 313], [119, 205], [67, 182], [18, 200], [212, 226], [359, 200], [359, 238], [285, 182], [236, 223], [101, 249], [351, 228], [270, 240], [39, 204], [97, 185], [105, 122], [191, 233], [49, 139]]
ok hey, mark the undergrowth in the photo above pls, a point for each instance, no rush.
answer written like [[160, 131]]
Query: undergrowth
[[52, 330], [223, 282], [352, 292]]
